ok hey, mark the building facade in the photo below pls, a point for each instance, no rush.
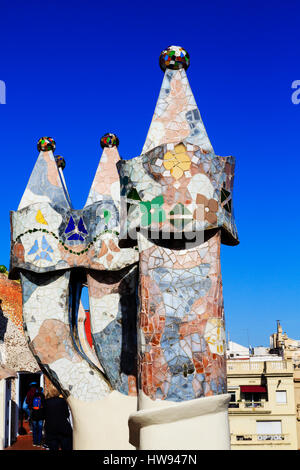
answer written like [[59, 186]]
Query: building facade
[[289, 349], [17, 365], [263, 406]]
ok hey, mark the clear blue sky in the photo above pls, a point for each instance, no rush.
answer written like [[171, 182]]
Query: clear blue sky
[[75, 70]]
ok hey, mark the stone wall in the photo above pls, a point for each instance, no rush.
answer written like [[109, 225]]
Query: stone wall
[[14, 351]]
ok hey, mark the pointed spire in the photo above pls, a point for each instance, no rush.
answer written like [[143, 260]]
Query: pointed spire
[[45, 184], [106, 181], [176, 117]]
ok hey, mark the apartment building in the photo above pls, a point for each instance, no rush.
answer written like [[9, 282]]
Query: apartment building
[[262, 411], [289, 349]]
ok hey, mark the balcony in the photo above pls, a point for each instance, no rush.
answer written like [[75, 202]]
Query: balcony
[[247, 404], [260, 439], [236, 367], [246, 407]]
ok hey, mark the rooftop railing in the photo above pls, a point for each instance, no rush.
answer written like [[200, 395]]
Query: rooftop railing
[[240, 367]]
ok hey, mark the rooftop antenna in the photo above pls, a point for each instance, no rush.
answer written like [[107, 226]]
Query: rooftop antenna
[[248, 341]]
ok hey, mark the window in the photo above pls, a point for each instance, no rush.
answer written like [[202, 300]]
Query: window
[[281, 396], [233, 403], [253, 395], [269, 430]]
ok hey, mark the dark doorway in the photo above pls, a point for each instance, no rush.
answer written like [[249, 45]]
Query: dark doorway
[[25, 379]]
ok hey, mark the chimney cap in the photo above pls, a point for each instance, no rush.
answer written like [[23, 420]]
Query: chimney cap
[[109, 140], [45, 144], [175, 58]]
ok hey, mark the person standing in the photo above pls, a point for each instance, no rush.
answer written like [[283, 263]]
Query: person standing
[[27, 405], [58, 430], [37, 416]]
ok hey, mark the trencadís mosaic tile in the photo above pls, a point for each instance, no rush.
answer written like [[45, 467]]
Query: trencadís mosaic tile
[[146, 243]]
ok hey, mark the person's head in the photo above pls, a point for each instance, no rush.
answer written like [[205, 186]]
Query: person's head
[[51, 391], [33, 385]]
